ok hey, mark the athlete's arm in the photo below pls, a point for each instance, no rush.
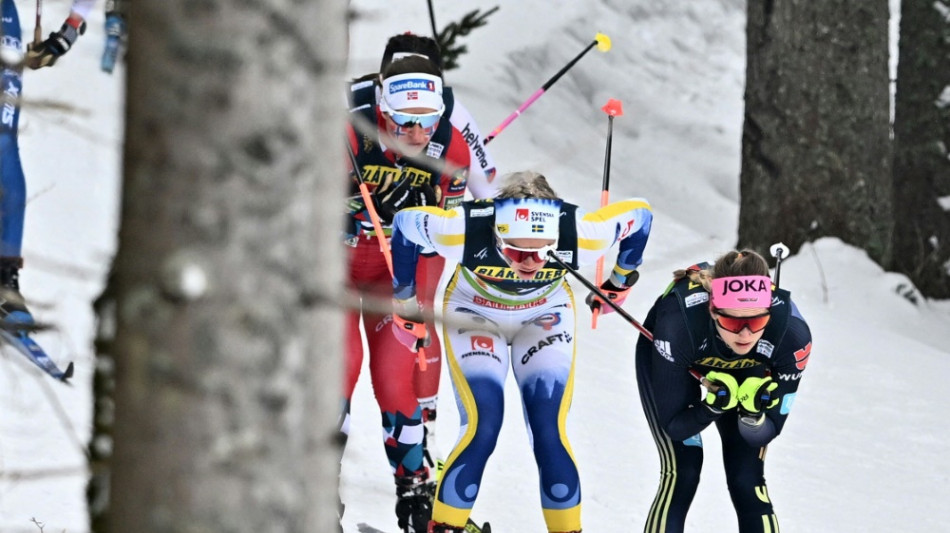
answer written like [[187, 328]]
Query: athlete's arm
[[789, 360], [416, 228], [455, 177], [481, 177], [677, 394], [627, 221]]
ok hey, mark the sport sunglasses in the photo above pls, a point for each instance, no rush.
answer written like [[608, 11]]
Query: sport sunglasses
[[520, 255], [407, 120], [736, 324]]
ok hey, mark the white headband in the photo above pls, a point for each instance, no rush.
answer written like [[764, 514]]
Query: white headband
[[413, 90], [527, 218]]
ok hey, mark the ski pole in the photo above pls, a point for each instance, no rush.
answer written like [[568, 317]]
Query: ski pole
[[601, 41], [378, 227], [37, 29], [596, 290], [633, 321], [779, 251], [371, 209], [613, 108], [435, 32]]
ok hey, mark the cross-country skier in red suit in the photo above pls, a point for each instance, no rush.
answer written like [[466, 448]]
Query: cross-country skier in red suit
[[481, 184], [408, 155]]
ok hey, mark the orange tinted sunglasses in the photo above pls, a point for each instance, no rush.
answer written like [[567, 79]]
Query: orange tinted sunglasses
[[736, 324]]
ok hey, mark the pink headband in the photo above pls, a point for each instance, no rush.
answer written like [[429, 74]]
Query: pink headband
[[737, 292]]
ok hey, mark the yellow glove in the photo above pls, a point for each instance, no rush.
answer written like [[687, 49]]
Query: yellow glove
[[755, 394], [721, 391]]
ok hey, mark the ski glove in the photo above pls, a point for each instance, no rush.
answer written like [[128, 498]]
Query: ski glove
[[721, 392], [408, 326], [396, 196], [46, 53], [755, 394], [410, 333], [610, 289]]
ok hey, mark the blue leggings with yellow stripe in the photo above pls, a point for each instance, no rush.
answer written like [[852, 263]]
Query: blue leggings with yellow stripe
[[12, 182], [541, 355]]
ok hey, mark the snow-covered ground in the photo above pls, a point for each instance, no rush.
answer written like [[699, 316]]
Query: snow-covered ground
[[70, 145], [862, 450]]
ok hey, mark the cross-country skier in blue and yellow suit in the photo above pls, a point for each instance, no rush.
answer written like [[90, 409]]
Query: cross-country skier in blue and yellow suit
[[12, 182], [506, 305]]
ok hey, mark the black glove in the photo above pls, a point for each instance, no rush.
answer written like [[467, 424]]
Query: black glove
[[394, 197], [46, 53]]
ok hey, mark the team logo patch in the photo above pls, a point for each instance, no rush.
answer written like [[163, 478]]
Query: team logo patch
[[412, 85], [565, 255], [765, 348], [801, 357], [626, 231], [696, 299], [787, 401], [547, 321], [485, 302], [663, 348], [481, 343], [435, 150], [537, 228]]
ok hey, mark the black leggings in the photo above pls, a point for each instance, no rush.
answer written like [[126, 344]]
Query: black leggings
[[682, 461]]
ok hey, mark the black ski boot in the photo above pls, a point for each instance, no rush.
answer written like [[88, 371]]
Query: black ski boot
[[413, 502], [444, 528], [470, 527], [430, 453], [13, 309]]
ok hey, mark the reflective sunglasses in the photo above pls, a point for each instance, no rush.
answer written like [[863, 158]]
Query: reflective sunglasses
[[736, 324], [408, 120], [520, 255]]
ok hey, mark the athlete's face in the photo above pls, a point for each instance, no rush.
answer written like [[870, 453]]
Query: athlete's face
[[747, 319], [412, 128], [526, 256]]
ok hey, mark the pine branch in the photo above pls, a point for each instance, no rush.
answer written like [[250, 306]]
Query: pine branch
[[448, 37]]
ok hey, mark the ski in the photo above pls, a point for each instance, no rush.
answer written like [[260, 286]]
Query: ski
[[22, 343], [366, 528], [470, 527]]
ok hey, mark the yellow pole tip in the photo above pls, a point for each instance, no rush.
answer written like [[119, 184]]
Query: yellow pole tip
[[603, 42]]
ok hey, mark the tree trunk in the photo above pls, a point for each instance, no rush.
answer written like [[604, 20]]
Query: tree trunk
[[227, 373], [921, 138], [815, 147]]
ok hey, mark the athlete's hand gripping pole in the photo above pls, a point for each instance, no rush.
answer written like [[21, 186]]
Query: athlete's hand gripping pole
[[368, 199], [633, 321], [370, 203], [613, 108], [600, 294], [601, 41], [38, 28]]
